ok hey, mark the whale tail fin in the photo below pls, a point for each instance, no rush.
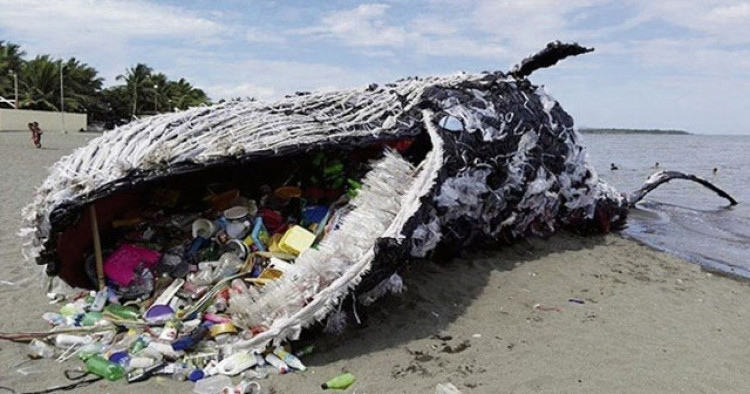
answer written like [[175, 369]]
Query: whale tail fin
[[549, 56], [662, 177]]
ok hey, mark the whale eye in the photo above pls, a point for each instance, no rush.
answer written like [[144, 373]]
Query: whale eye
[[451, 123]]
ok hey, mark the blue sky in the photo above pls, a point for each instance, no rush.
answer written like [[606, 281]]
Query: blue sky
[[679, 64]]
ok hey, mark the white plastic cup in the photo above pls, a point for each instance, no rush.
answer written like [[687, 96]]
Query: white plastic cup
[[203, 228]]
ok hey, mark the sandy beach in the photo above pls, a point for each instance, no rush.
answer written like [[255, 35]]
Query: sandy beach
[[561, 315]]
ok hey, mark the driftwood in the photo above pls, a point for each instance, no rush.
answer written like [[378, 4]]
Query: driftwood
[[28, 336]]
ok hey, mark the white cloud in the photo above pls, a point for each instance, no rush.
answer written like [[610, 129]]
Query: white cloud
[[254, 34], [245, 90], [726, 24], [362, 26], [69, 26], [268, 79], [695, 56], [738, 13], [527, 25], [435, 31], [459, 46]]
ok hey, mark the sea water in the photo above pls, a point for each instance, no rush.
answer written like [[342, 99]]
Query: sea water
[[683, 217]]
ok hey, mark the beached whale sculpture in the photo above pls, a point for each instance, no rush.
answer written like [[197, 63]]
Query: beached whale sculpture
[[477, 159]]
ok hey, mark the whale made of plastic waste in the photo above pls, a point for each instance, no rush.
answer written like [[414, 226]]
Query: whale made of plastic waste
[[443, 164]]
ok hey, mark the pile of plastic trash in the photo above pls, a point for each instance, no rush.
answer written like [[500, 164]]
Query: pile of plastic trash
[[169, 279]]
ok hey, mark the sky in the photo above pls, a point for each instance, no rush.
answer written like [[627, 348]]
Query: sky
[[657, 64]]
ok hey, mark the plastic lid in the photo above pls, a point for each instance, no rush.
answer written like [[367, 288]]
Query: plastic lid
[[237, 212], [196, 375]]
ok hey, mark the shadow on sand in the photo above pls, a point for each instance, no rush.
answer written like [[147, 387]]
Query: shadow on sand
[[436, 295]]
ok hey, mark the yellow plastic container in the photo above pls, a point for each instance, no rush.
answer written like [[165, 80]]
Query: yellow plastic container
[[274, 243], [296, 240]]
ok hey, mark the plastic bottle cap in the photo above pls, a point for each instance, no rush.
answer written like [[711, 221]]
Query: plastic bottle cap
[[196, 375]]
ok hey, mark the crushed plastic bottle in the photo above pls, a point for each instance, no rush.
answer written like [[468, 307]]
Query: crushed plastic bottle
[[40, 349], [212, 385], [53, 318]]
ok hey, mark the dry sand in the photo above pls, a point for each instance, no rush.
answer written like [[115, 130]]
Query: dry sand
[[492, 322]]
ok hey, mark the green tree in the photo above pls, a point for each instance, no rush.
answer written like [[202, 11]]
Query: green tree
[[81, 86], [159, 99], [41, 84], [11, 61], [182, 95], [137, 80], [113, 106]]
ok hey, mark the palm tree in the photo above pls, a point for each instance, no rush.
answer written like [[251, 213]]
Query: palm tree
[[158, 83], [39, 78], [82, 86], [183, 95], [11, 60], [137, 80]]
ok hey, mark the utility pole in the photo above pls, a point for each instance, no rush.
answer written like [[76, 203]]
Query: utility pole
[[62, 101], [15, 87], [156, 92]]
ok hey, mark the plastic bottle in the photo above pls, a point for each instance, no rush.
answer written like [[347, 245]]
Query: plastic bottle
[[339, 382], [171, 328], [140, 343], [89, 350], [181, 372], [102, 367], [281, 366], [122, 358], [91, 318], [67, 340], [190, 340], [289, 359], [121, 312], [100, 299], [212, 385], [139, 375], [142, 362], [40, 349], [53, 318]]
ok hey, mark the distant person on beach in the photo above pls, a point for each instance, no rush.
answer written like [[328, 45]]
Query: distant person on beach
[[36, 134], [613, 167], [715, 170], [656, 165]]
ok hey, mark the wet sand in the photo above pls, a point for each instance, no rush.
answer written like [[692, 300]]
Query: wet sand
[[566, 314]]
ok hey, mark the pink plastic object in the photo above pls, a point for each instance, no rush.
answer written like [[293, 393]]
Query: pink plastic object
[[120, 266]]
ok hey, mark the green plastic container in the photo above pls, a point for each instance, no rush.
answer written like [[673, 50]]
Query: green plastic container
[[100, 366], [122, 312], [339, 382]]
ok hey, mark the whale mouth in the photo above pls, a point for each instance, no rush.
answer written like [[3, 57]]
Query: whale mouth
[[394, 174]]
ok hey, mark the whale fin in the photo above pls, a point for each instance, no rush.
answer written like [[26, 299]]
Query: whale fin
[[549, 56], [665, 176]]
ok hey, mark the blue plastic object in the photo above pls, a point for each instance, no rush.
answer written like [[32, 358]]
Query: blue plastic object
[[259, 230]]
